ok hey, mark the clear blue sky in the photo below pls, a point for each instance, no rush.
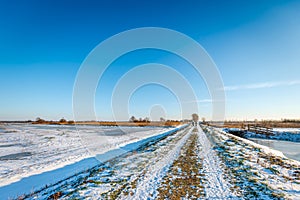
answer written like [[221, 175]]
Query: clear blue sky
[[255, 44]]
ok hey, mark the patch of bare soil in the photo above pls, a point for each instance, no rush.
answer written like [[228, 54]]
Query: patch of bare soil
[[184, 179]]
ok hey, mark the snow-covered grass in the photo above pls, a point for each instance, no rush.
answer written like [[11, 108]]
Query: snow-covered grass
[[186, 162], [174, 164], [256, 171], [45, 154], [149, 183], [26, 150], [216, 186], [119, 176]]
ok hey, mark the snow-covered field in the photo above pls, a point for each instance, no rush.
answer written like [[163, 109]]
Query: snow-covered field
[[27, 150], [187, 163]]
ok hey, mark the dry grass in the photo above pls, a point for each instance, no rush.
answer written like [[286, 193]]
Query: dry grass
[[111, 123], [271, 124], [184, 180]]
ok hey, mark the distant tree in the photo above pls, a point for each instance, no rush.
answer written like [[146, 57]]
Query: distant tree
[[132, 119], [62, 120], [71, 122], [140, 119], [162, 119], [146, 119], [39, 120], [195, 117]]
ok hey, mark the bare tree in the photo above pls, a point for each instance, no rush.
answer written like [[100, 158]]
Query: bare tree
[[203, 119], [62, 120], [146, 119], [39, 120], [132, 119], [195, 117]]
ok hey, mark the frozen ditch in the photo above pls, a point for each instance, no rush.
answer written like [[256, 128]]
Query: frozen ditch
[[255, 171], [289, 149]]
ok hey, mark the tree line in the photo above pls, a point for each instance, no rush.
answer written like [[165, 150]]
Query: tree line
[[146, 119]]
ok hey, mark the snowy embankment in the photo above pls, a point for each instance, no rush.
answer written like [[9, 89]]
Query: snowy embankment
[[216, 187], [159, 168], [33, 156], [278, 135], [256, 171], [151, 179]]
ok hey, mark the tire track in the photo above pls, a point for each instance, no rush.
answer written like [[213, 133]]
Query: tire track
[[216, 187], [148, 185], [117, 178]]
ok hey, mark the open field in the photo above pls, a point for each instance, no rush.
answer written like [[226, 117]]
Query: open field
[[112, 123], [187, 162], [27, 149]]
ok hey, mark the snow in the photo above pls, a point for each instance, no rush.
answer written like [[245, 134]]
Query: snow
[[287, 136], [289, 149], [258, 166], [217, 187], [148, 185], [264, 148], [100, 180], [32, 156], [231, 167], [287, 130], [38, 181]]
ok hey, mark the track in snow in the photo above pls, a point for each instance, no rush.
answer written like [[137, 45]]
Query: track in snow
[[196, 173], [143, 173], [216, 187]]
